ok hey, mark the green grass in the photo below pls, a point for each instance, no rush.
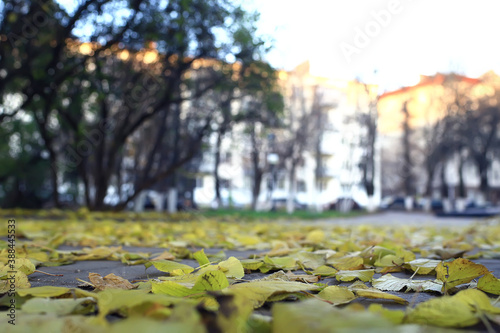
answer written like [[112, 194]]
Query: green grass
[[246, 214]]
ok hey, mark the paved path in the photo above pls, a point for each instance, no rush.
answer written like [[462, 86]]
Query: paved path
[[409, 218]]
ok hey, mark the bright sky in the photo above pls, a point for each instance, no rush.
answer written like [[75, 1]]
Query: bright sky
[[343, 38], [400, 39]]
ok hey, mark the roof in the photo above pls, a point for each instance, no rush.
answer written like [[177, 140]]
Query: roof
[[437, 79]]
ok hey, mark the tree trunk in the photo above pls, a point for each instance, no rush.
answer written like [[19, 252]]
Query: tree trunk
[[216, 169], [290, 201], [462, 192], [257, 171], [444, 185], [430, 181], [484, 187]]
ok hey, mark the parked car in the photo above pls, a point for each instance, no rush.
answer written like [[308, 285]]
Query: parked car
[[344, 202], [397, 203], [280, 204]]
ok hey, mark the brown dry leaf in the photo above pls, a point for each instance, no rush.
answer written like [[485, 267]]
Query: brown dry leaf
[[110, 281], [164, 256]]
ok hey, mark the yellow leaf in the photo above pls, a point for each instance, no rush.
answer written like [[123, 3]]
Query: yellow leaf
[[394, 316], [232, 268], [325, 271], [490, 284], [287, 263], [346, 263], [19, 279], [251, 264], [171, 288], [22, 265], [63, 306], [316, 236], [364, 275], [258, 292], [457, 272], [46, 291], [337, 295], [389, 260], [361, 290], [111, 300], [477, 300]]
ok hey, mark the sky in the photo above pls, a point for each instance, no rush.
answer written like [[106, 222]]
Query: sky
[[389, 42]]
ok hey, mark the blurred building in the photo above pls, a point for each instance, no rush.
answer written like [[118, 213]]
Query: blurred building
[[322, 119], [427, 103]]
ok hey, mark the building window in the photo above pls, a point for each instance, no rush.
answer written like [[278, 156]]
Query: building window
[[226, 157], [301, 186], [225, 183], [281, 182]]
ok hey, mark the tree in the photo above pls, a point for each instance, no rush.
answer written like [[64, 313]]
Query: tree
[[301, 131], [480, 132], [135, 74], [408, 182], [367, 120], [261, 108]]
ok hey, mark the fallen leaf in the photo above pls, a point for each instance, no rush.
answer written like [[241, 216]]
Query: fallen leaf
[[361, 290], [422, 266], [391, 283], [337, 295], [364, 275], [490, 284], [457, 272], [110, 281], [258, 292]]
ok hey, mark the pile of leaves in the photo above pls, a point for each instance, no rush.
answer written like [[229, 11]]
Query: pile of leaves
[[299, 277]]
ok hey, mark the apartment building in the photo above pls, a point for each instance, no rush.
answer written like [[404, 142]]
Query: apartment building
[[428, 102], [330, 158]]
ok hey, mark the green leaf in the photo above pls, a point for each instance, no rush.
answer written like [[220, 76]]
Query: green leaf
[[46, 291], [209, 281], [63, 306], [251, 264], [201, 257], [232, 268], [169, 266], [171, 288]]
